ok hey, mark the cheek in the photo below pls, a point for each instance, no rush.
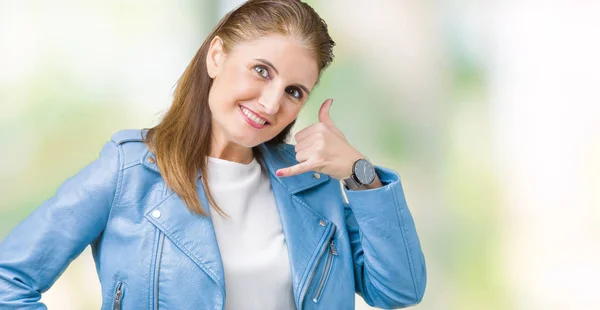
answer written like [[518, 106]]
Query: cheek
[[235, 86], [289, 111], [243, 86]]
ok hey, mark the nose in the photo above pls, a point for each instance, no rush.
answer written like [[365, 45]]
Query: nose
[[270, 99]]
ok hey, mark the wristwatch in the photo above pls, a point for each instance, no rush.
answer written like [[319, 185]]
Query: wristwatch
[[363, 173]]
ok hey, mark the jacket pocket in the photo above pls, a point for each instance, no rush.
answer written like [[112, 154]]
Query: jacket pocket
[[118, 296], [326, 271]]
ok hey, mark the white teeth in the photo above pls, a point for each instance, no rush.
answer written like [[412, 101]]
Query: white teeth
[[253, 116]]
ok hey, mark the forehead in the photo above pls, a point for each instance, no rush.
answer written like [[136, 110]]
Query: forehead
[[293, 61]]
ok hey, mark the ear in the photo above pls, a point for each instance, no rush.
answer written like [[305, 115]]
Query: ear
[[215, 57]]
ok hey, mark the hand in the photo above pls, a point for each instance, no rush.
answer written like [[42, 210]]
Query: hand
[[323, 148]]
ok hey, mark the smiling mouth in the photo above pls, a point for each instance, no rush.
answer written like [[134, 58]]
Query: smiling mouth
[[253, 119]]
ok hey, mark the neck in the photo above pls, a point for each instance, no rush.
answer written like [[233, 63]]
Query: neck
[[230, 151], [235, 156]]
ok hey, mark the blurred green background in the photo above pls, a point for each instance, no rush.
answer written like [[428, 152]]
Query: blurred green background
[[487, 110]]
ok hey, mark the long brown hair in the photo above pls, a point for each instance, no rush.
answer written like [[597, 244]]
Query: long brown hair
[[182, 140]]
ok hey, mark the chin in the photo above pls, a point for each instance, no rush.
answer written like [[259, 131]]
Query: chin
[[248, 142]]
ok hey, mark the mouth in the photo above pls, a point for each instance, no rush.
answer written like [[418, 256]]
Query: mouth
[[253, 119]]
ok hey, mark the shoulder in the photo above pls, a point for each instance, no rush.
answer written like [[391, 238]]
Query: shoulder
[[128, 135], [130, 143]]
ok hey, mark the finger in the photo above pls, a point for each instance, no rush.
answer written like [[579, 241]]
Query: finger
[[303, 144], [308, 131], [303, 155], [324, 116], [294, 170]]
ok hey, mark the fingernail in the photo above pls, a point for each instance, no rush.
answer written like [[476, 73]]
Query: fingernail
[[331, 103], [279, 173]]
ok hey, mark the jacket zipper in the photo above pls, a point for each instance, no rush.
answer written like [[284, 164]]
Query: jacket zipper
[[312, 273], [118, 296], [161, 240], [332, 252]]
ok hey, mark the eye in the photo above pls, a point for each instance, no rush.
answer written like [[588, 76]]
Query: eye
[[294, 91], [262, 70]]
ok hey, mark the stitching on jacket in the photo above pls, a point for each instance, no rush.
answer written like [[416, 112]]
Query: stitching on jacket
[[131, 164], [308, 207], [364, 266], [309, 185], [285, 149], [165, 189], [374, 283], [159, 253], [361, 239], [402, 229], [119, 182], [152, 269]]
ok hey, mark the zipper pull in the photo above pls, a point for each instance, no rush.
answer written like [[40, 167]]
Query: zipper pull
[[118, 295], [332, 248]]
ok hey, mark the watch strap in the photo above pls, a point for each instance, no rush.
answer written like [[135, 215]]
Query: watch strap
[[351, 183]]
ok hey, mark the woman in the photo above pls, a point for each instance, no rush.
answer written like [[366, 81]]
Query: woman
[[211, 209]]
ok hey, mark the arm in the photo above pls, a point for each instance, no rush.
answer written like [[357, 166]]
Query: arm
[[40, 248], [389, 267]]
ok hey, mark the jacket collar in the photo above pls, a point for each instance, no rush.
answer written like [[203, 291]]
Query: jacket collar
[[275, 157], [282, 156]]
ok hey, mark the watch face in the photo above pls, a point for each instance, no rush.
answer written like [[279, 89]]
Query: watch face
[[364, 171]]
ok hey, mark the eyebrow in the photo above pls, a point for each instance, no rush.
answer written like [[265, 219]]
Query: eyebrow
[[268, 63]]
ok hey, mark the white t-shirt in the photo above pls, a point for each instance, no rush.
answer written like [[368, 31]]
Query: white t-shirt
[[251, 240]]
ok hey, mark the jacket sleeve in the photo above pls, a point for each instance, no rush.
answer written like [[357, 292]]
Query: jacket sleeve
[[389, 266], [39, 249]]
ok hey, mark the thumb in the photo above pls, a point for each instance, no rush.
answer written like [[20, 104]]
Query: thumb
[[324, 112]]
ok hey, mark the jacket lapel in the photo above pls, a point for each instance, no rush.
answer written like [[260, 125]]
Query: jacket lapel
[[192, 233], [304, 228]]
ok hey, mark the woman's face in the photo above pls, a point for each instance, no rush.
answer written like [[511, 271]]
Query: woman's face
[[259, 87]]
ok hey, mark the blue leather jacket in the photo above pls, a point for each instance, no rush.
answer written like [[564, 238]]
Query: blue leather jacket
[[152, 253]]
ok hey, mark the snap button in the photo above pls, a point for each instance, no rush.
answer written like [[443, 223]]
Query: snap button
[[316, 176], [151, 160], [156, 214], [322, 223]]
